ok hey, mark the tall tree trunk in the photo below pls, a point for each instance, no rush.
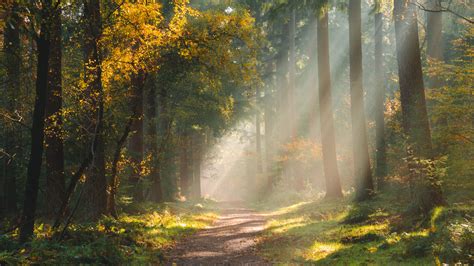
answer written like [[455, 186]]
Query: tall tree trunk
[[96, 183], [331, 173], [258, 133], [184, 171], [136, 140], [380, 153], [282, 81], [156, 152], [269, 126], [11, 45], [292, 116], [292, 124], [426, 191], [434, 52], [434, 38], [37, 130], [55, 180], [360, 148], [167, 163], [196, 163]]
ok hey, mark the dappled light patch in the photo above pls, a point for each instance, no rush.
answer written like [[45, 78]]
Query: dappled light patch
[[320, 250], [320, 232]]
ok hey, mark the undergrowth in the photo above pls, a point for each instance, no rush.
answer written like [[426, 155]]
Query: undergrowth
[[372, 233], [136, 238]]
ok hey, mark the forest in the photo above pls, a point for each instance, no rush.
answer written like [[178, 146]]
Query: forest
[[227, 132]]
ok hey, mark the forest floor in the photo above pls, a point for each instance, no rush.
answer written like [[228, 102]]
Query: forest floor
[[283, 232], [376, 232], [232, 239]]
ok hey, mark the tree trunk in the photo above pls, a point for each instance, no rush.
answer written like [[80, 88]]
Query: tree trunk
[[434, 27], [427, 194], [136, 140], [167, 163], [360, 148], [434, 52], [96, 183], [184, 171], [380, 153], [282, 81], [54, 150], [156, 153], [37, 130], [269, 127], [197, 160], [258, 133], [292, 124], [11, 45], [331, 173]]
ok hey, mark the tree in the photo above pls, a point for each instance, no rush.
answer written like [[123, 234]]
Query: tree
[[197, 140], [434, 27], [155, 148], [96, 183], [363, 175], [11, 46], [258, 134], [426, 190], [331, 173], [37, 130], [54, 148], [136, 145], [184, 165], [379, 101]]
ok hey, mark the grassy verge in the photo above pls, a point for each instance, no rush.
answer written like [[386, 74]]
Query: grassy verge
[[138, 238], [374, 233]]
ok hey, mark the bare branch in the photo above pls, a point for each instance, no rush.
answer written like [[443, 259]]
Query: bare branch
[[443, 9]]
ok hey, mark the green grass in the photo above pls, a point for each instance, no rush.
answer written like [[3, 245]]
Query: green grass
[[374, 233], [138, 238]]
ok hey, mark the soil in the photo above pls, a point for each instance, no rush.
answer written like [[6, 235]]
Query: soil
[[231, 240]]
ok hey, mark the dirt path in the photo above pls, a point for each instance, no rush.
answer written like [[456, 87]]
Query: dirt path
[[231, 240]]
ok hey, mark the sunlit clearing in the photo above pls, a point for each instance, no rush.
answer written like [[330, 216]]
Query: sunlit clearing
[[225, 169]]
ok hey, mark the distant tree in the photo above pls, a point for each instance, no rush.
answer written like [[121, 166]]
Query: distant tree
[[136, 143], [185, 170], [152, 140], [379, 101], [434, 29]]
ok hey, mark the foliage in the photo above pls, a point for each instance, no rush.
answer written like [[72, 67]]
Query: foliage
[[133, 238]]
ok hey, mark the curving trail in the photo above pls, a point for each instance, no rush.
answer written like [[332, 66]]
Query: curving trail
[[230, 241]]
